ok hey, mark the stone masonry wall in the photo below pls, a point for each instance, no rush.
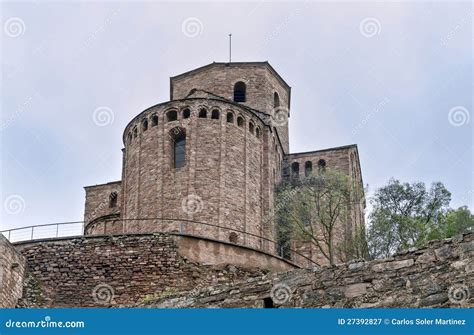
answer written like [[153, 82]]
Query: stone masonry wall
[[225, 178], [106, 271], [97, 201], [220, 78], [12, 269], [439, 275]]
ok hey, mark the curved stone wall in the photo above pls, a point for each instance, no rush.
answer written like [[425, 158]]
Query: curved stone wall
[[223, 181], [69, 272]]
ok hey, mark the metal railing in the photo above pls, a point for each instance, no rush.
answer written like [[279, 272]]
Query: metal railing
[[50, 230], [150, 225]]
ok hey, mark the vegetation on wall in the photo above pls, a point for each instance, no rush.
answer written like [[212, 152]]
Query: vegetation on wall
[[408, 215], [403, 216]]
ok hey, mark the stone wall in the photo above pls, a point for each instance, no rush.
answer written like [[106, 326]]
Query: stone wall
[[98, 204], [104, 271], [12, 269], [227, 180], [260, 78], [439, 275]]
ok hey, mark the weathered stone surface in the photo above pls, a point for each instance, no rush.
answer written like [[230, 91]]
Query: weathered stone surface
[[397, 282], [233, 161], [393, 265], [426, 257], [127, 269], [355, 290], [12, 268]]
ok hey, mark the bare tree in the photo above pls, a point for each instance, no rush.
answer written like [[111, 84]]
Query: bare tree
[[316, 212]]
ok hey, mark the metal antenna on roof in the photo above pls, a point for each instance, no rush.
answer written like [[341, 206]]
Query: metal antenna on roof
[[230, 48]]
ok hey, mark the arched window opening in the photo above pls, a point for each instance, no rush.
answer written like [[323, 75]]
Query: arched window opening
[[321, 165], [239, 91], [240, 121], [308, 168], [129, 137], [145, 125], [215, 114], [257, 132], [135, 132], [230, 117], [251, 127], [154, 120], [233, 237], [295, 170], [276, 100], [186, 113], [113, 200], [203, 113], [178, 138], [172, 116]]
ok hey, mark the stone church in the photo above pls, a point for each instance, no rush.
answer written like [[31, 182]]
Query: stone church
[[206, 163]]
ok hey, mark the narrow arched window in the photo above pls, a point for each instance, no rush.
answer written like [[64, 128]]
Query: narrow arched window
[[251, 127], [186, 113], [113, 200], [257, 132], [135, 132], [295, 169], [240, 121], [145, 125], [178, 138], [239, 91], [129, 138], [308, 168], [154, 120], [276, 100], [171, 116], [321, 165], [230, 117], [215, 114], [203, 113]]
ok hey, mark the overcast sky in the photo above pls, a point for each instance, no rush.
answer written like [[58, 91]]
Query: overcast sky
[[396, 79]]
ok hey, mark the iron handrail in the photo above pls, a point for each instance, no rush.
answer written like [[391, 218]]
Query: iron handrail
[[84, 227]]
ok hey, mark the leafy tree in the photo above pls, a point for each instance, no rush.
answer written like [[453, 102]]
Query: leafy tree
[[405, 215], [311, 211], [455, 221]]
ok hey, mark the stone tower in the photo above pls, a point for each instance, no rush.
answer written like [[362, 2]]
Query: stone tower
[[206, 162]]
